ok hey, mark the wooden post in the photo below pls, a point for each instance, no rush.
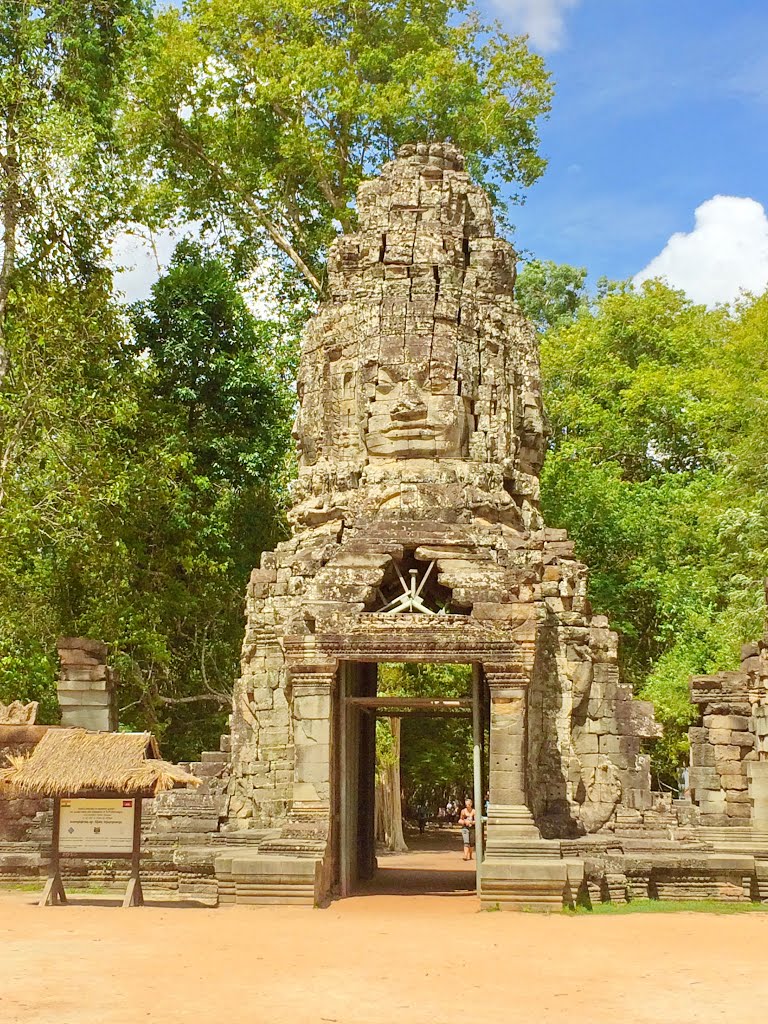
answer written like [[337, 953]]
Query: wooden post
[[53, 893], [134, 896]]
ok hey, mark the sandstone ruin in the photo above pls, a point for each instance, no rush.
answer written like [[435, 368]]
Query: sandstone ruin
[[421, 436], [418, 537]]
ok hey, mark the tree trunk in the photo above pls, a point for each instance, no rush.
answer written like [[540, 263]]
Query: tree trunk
[[9, 173], [389, 813]]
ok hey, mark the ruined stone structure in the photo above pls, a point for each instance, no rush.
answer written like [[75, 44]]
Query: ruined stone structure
[[729, 744], [86, 685], [417, 537], [421, 437]]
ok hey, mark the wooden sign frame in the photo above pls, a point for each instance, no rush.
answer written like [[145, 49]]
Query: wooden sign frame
[[54, 894]]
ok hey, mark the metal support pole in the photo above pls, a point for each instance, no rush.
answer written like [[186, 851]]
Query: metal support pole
[[477, 766]]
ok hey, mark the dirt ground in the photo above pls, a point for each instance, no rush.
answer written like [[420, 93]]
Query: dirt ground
[[388, 955]]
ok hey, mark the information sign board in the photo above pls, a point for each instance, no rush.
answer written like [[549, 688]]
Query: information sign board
[[100, 826]]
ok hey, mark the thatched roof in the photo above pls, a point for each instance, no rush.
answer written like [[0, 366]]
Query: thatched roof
[[70, 761]]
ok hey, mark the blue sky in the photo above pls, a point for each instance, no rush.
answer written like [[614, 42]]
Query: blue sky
[[659, 107], [657, 143]]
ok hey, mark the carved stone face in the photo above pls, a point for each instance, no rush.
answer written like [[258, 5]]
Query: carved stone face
[[417, 411]]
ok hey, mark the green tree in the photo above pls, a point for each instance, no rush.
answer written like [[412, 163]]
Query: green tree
[[260, 117], [551, 294], [62, 64], [221, 373], [140, 480], [65, 404], [426, 758], [657, 406]]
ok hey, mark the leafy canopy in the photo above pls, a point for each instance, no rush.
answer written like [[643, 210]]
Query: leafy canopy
[[259, 117], [141, 478], [657, 469], [62, 67]]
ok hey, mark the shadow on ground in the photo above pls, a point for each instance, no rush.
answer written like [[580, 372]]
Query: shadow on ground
[[432, 866]]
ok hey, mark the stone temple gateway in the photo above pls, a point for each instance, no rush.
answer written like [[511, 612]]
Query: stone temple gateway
[[421, 436], [417, 537]]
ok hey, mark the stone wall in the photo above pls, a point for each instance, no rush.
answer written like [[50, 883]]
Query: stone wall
[[729, 743], [585, 727], [18, 813]]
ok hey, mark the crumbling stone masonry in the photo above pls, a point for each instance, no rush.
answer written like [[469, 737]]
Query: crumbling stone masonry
[[86, 685], [421, 437], [417, 536], [729, 744]]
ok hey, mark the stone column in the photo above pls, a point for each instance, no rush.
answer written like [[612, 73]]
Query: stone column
[[509, 815], [312, 696], [520, 869], [86, 685], [295, 865]]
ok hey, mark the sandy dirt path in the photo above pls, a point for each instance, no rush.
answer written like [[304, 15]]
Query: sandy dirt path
[[376, 959]]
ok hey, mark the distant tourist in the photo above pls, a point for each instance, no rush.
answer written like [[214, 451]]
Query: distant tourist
[[421, 818], [467, 823], [441, 816]]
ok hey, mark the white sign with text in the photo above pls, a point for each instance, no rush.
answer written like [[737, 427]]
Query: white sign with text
[[96, 826]]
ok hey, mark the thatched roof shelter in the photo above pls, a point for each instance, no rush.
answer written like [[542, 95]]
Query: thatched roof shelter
[[68, 762]]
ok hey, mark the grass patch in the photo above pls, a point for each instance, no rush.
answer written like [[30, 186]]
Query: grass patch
[[668, 907], [82, 890]]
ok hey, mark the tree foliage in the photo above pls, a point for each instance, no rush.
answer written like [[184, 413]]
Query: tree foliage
[[142, 479], [657, 410], [260, 117], [435, 753], [62, 67], [551, 294]]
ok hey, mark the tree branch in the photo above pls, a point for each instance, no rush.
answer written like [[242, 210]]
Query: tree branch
[[219, 698], [272, 229]]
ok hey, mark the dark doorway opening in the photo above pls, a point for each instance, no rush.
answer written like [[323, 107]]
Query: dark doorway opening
[[404, 754]]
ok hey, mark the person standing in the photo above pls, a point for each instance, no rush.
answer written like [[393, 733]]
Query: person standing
[[467, 823], [421, 817]]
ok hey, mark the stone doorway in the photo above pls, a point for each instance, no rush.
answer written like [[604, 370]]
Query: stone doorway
[[433, 862]]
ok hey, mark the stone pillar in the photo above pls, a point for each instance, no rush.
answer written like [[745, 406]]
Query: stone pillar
[[757, 776], [757, 770], [86, 685], [508, 815], [520, 869], [312, 708], [295, 866]]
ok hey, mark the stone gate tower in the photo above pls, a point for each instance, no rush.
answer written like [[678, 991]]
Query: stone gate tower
[[417, 536]]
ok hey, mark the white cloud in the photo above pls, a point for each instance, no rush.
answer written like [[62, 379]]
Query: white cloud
[[139, 259], [726, 252], [542, 20]]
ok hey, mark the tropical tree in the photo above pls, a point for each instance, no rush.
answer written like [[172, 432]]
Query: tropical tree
[[657, 410], [551, 294], [62, 65], [419, 757], [258, 118], [140, 479]]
